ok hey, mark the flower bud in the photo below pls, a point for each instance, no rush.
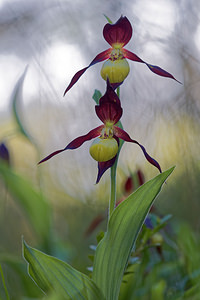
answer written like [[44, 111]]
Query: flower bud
[[116, 70], [103, 149], [157, 239]]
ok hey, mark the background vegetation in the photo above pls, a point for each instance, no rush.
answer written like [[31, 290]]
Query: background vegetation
[[53, 205]]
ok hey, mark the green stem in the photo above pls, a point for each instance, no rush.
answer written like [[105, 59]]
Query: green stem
[[113, 171], [112, 188], [4, 283]]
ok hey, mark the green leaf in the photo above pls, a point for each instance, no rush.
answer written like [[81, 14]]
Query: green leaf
[[96, 96], [194, 291], [32, 201], [16, 97], [113, 251], [108, 19], [15, 267], [99, 236], [55, 276], [4, 283]]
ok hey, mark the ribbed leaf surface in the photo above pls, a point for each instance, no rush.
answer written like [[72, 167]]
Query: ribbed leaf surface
[[113, 251], [55, 276]]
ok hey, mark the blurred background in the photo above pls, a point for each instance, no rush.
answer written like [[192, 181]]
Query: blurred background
[[46, 42]]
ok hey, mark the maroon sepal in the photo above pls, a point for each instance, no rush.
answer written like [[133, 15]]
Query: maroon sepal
[[104, 166], [109, 108], [110, 95], [76, 143], [140, 176], [155, 69], [132, 56], [119, 32], [129, 185], [100, 57], [109, 111], [120, 133], [51, 155]]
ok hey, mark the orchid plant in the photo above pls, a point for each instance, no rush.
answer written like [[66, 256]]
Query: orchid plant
[[116, 67], [104, 149], [125, 219]]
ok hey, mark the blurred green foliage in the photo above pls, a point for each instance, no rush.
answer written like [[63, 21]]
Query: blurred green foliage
[[164, 264]]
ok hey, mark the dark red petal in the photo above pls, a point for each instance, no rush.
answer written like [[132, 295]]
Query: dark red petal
[[109, 112], [120, 133], [129, 185], [76, 143], [87, 137], [110, 95], [155, 69], [141, 179], [100, 57], [104, 166], [51, 155], [120, 32], [132, 56], [109, 108]]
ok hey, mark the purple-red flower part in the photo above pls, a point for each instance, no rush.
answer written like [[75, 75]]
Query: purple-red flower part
[[109, 112], [4, 153], [118, 35]]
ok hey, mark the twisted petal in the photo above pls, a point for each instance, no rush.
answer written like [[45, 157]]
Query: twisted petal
[[100, 57], [120, 133], [155, 69], [119, 33], [103, 166], [76, 143]]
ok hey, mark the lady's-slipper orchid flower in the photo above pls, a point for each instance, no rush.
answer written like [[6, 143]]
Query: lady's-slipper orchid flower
[[104, 149], [116, 67]]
